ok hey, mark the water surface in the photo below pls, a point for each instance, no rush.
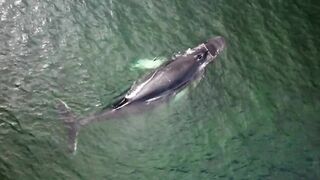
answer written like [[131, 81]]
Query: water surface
[[255, 115]]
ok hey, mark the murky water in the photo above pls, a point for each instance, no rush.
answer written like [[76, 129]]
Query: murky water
[[255, 115]]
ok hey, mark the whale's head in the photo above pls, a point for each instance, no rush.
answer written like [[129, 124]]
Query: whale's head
[[208, 51], [215, 45]]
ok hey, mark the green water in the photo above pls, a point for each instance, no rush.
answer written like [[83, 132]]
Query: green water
[[255, 115]]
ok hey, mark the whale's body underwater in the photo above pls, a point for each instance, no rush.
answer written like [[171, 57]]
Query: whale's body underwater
[[157, 87]]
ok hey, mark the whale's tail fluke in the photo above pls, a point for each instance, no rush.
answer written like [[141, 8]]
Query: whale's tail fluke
[[71, 124]]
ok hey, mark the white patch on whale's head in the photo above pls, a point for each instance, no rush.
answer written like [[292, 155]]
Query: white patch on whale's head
[[193, 50]]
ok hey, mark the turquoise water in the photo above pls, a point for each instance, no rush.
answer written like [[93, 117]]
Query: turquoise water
[[255, 115]]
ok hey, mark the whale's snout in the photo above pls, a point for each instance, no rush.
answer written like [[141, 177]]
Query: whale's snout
[[215, 45]]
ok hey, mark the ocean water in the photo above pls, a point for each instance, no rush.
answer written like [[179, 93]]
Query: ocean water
[[255, 115]]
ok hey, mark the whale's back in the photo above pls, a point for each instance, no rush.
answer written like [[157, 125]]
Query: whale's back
[[164, 80]]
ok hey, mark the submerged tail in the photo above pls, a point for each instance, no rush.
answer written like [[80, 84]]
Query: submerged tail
[[71, 123]]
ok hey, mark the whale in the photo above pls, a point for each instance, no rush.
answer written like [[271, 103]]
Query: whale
[[156, 87]]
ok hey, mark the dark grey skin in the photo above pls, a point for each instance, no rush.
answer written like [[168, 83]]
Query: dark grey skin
[[155, 88]]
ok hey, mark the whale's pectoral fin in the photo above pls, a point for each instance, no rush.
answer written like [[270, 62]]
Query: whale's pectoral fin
[[181, 94], [149, 63], [71, 124]]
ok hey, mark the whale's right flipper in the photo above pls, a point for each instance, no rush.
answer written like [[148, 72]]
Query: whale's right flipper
[[71, 124]]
